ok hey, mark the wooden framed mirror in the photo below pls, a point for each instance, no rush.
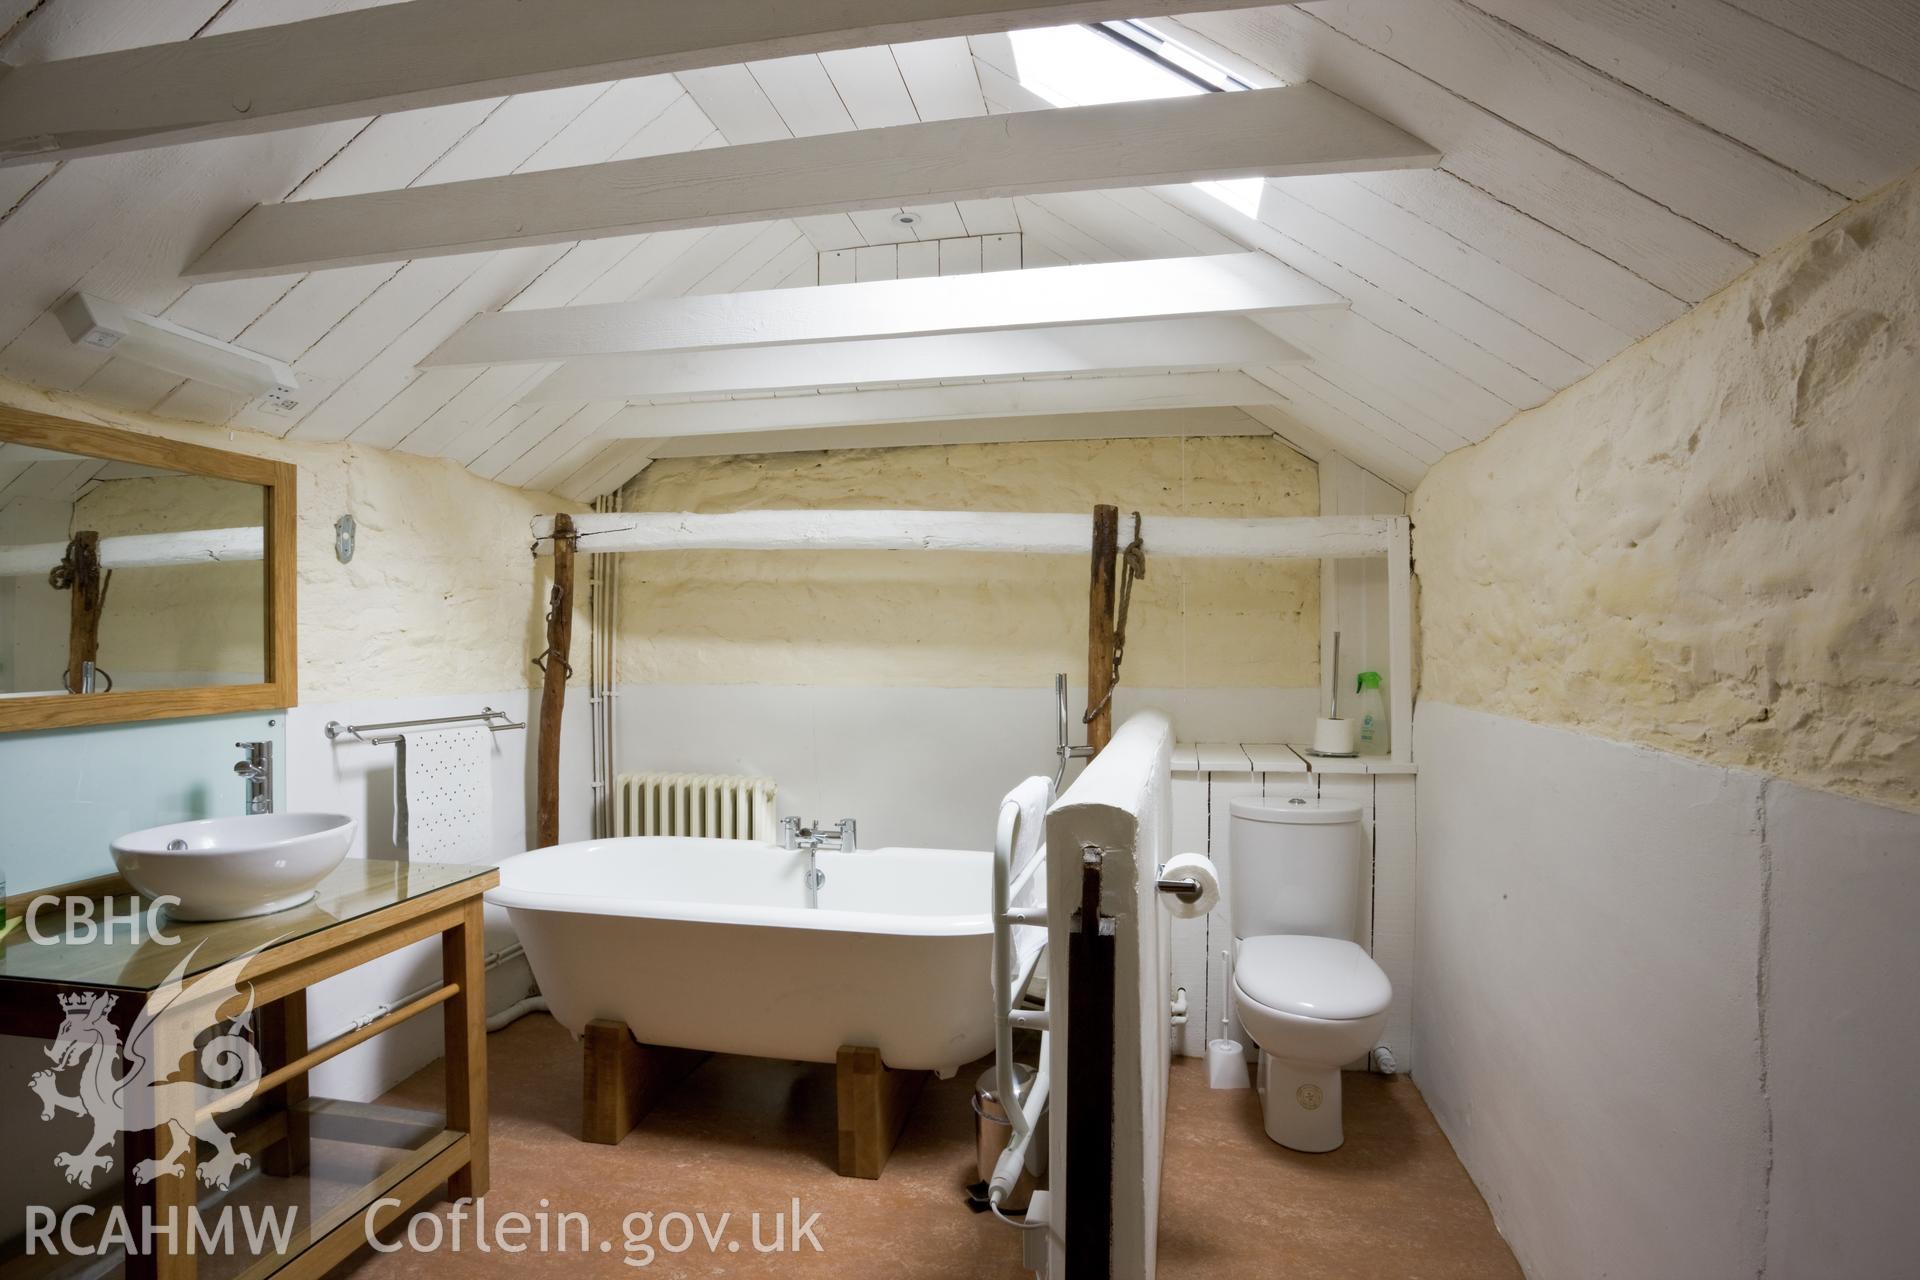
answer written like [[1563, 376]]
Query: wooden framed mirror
[[140, 578]]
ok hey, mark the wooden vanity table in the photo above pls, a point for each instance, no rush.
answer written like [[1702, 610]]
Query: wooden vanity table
[[328, 1160]]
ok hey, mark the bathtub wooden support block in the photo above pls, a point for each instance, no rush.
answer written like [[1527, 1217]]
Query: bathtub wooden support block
[[874, 1103], [624, 1079]]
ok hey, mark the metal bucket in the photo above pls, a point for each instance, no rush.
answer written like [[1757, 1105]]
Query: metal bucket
[[992, 1131]]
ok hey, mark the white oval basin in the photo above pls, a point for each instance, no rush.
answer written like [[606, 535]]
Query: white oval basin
[[231, 868]]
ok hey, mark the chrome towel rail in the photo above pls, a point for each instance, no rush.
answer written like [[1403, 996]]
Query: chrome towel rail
[[494, 720]]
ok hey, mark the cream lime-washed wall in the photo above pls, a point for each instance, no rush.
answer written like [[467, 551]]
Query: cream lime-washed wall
[[1712, 543], [965, 620], [442, 595]]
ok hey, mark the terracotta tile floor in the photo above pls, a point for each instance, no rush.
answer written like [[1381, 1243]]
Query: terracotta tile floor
[[746, 1135]]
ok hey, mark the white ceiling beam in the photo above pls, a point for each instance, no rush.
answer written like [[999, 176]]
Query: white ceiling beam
[[1138, 425], [1301, 129], [1204, 342], [426, 53], [1092, 293], [935, 404]]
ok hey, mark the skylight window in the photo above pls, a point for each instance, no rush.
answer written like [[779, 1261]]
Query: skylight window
[[1125, 61]]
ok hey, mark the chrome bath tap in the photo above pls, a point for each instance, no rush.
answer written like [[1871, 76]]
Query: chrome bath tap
[[811, 837]]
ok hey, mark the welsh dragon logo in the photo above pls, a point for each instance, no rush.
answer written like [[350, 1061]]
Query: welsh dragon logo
[[117, 1080]]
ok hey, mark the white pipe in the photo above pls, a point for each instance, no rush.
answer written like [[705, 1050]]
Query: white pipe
[[1282, 537], [514, 1012], [512, 951], [143, 550]]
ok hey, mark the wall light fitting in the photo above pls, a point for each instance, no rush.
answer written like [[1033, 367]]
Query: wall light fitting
[[96, 322]]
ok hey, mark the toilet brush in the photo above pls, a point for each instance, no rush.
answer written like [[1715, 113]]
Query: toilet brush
[[1226, 1059]]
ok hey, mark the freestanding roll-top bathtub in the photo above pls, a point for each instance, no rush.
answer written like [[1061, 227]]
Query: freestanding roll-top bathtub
[[710, 944]]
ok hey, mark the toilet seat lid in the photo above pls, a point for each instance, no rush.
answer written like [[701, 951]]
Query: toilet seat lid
[[1311, 977]]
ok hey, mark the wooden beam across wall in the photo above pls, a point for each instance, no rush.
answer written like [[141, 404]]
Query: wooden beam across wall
[[1203, 342], [1042, 297], [426, 53], [1271, 537], [937, 404], [1300, 129]]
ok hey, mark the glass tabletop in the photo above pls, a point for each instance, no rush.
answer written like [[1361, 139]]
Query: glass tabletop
[[135, 949]]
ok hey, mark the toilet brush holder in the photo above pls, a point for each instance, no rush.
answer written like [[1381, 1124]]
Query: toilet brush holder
[[1226, 1065]]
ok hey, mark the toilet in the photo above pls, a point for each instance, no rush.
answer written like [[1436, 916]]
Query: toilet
[[1305, 992]]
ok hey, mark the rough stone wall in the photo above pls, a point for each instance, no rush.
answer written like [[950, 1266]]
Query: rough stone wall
[[442, 595], [960, 620], [1711, 544]]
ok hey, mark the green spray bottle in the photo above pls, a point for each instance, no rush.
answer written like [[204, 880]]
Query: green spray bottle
[[1374, 736]]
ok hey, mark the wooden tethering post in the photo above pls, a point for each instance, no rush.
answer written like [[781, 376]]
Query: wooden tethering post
[[80, 574], [555, 666], [1100, 598]]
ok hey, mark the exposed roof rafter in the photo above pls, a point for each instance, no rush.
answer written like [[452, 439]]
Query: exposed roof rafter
[[1205, 342], [1095, 293], [1301, 129], [934, 404], [424, 53]]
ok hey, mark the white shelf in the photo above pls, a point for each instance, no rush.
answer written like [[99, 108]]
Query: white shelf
[[1357, 764], [1274, 757]]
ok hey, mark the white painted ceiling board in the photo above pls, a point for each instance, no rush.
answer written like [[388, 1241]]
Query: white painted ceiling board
[[633, 117], [1493, 154], [869, 84], [1726, 187], [1352, 439], [804, 95], [1165, 288], [1364, 211], [1301, 129], [1486, 327], [1811, 110], [1482, 368], [1352, 349], [539, 455], [500, 140], [1530, 248], [940, 78], [1881, 35], [988, 217]]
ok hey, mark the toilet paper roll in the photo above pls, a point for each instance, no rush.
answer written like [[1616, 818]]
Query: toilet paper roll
[[1333, 737], [1198, 868]]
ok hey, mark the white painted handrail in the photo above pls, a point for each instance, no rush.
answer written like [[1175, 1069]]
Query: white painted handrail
[[1281, 537], [143, 550]]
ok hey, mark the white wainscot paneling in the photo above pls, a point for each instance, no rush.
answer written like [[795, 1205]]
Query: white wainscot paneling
[[357, 779], [1842, 1035], [1588, 1031], [921, 767]]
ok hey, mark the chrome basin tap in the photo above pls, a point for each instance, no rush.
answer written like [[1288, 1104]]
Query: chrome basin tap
[[257, 772]]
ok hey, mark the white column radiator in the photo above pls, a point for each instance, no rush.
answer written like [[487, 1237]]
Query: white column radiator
[[694, 804]]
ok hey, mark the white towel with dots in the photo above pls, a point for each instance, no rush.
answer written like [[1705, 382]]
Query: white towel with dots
[[443, 794]]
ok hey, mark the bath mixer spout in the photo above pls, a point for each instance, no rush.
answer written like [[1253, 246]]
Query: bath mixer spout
[[810, 837]]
